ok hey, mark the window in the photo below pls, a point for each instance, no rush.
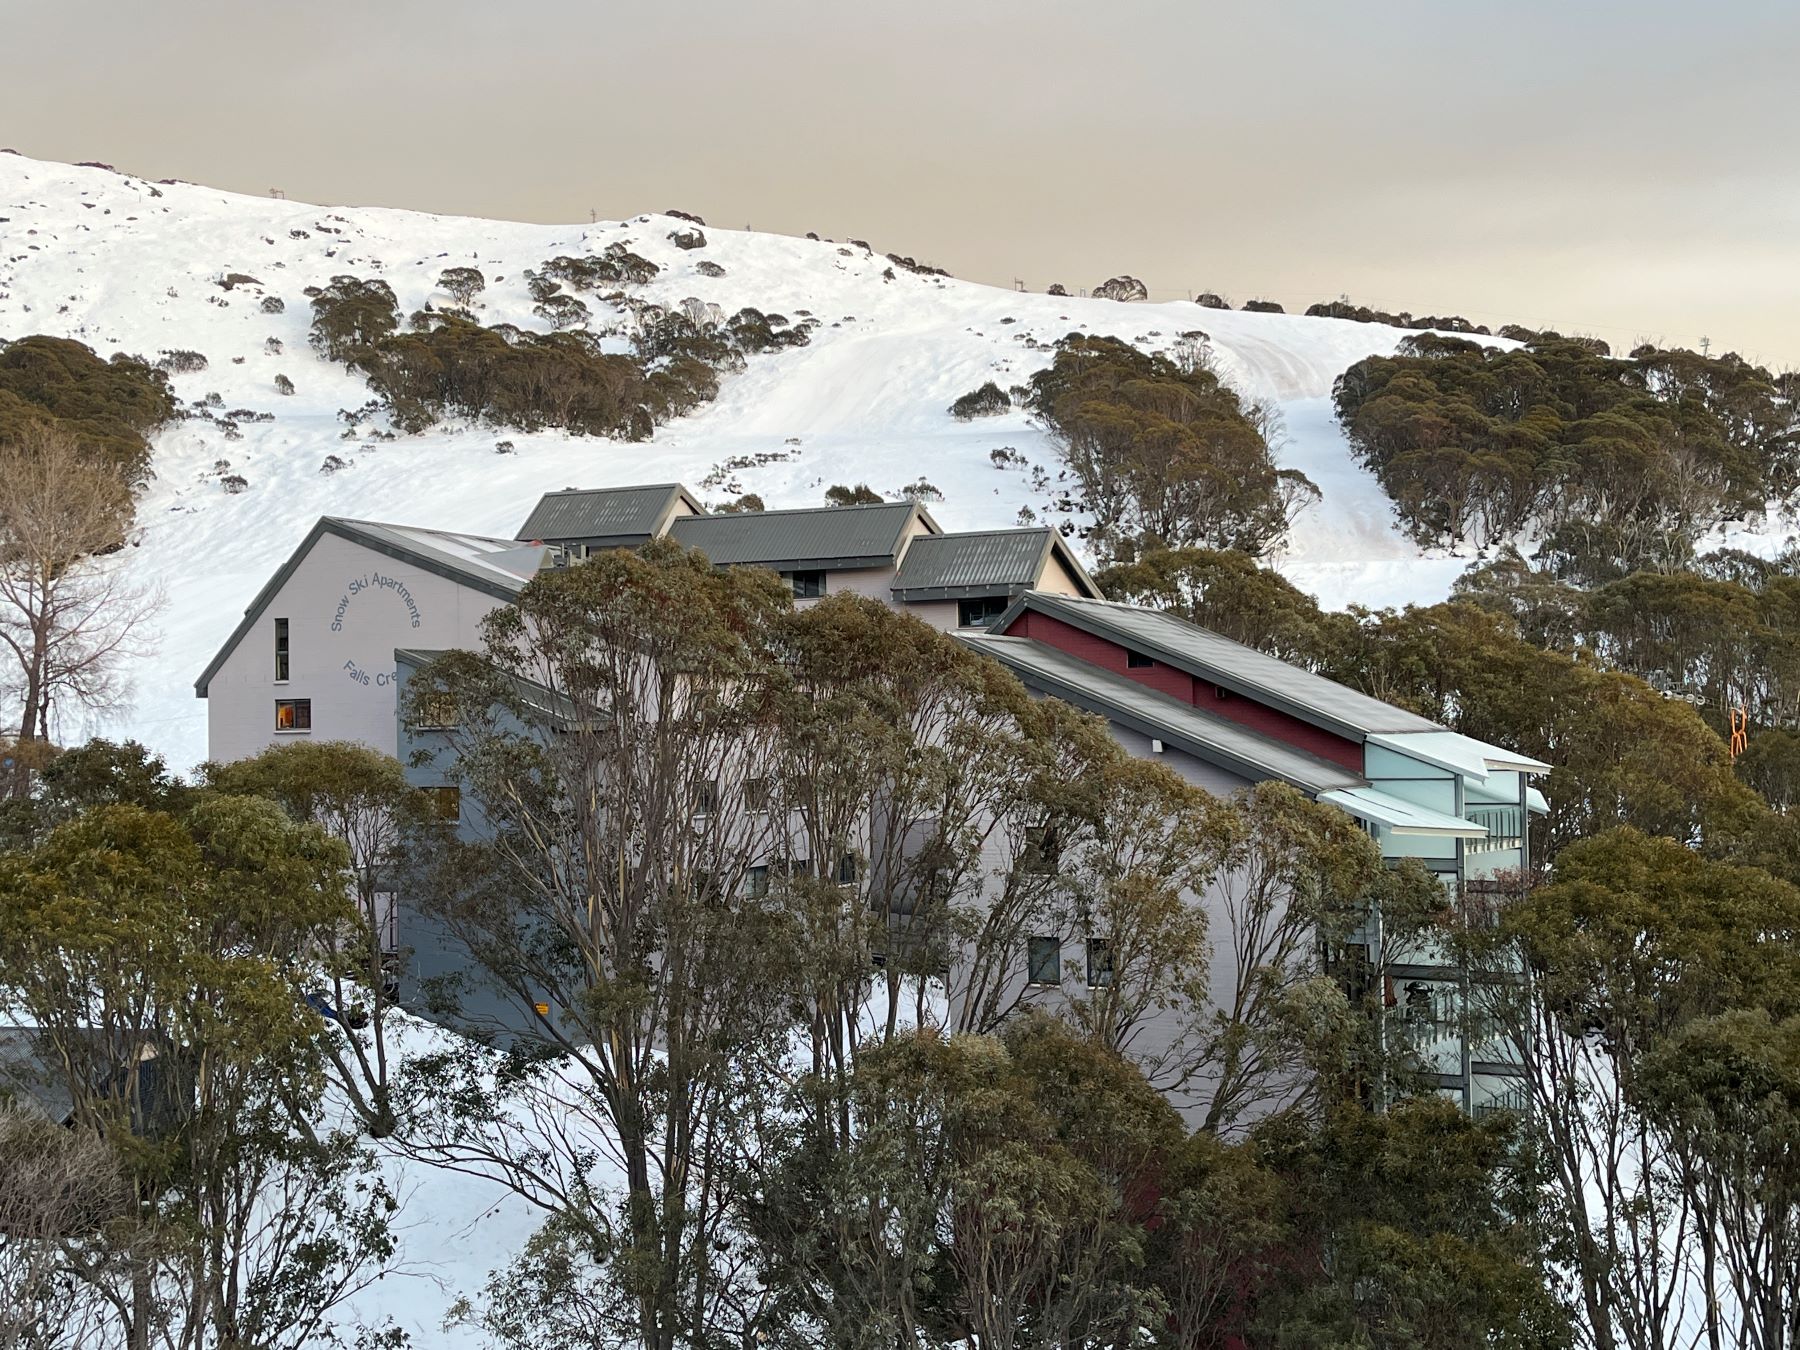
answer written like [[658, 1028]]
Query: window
[[757, 879], [1042, 849], [807, 585], [980, 613], [756, 794], [446, 803], [1043, 961], [706, 797], [435, 710], [1100, 963], [281, 651], [849, 872], [1137, 661], [293, 714]]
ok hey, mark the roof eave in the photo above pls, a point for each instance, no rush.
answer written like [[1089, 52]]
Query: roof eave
[[344, 529]]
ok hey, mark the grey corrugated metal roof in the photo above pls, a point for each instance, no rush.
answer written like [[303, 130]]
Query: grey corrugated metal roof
[[823, 538], [955, 566], [496, 567], [605, 517], [1215, 739], [1241, 669]]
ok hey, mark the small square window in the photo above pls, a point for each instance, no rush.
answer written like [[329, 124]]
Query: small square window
[[1099, 963], [1137, 661], [293, 714], [980, 613], [446, 803], [1043, 961], [807, 585]]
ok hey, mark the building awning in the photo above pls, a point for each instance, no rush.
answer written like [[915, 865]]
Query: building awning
[[1402, 817], [1459, 753]]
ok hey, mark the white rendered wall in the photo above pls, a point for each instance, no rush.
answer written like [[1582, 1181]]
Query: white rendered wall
[[347, 608]]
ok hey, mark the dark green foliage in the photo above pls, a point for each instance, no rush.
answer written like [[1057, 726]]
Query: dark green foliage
[[351, 316], [1622, 464], [1343, 309], [988, 401], [748, 502], [1164, 454], [1399, 1230], [617, 266], [462, 284], [112, 407], [860, 495]]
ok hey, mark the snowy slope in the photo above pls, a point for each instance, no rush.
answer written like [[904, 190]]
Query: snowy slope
[[124, 264]]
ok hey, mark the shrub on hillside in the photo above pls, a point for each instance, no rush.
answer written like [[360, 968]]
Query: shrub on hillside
[[273, 304], [112, 406], [687, 239], [1211, 300], [462, 284], [988, 401], [283, 385], [706, 267], [1620, 464], [181, 362], [1126, 288], [350, 316], [838, 494], [1263, 307], [1164, 456]]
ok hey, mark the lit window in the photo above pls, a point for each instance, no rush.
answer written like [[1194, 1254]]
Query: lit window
[[1137, 661], [446, 803], [807, 585], [1099, 963], [1043, 960], [293, 714], [281, 651], [980, 613]]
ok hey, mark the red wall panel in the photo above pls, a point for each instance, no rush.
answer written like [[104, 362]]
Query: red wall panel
[[1203, 694]]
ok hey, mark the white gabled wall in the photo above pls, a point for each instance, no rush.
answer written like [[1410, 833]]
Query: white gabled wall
[[348, 607]]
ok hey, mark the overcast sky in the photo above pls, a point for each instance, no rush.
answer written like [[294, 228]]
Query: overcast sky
[[1623, 169]]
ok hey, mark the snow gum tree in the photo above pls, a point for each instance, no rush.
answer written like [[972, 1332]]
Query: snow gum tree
[[160, 963]]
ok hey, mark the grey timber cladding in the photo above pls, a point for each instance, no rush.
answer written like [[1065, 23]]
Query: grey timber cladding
[[824, 537], [958, 566], [602, 516], [1232, 665], [1215, 739]]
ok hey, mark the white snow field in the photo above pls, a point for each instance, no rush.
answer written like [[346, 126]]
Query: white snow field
[[124, 264]]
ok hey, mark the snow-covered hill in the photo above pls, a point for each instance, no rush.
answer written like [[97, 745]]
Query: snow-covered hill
[[121, 263]]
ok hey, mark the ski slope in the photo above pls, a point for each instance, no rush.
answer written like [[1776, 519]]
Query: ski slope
[[121, 263]]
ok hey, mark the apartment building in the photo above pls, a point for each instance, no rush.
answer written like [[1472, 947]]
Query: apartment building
[[326, 647]]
